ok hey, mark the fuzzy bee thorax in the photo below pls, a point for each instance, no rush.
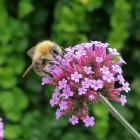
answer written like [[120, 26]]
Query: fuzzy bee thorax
[[44, 48]]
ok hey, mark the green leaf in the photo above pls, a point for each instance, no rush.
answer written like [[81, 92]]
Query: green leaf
[[2, 59], [14, 116], [8, 82], [101, 121], [136, 85], [92, 4], [13, 100], [27, 123], [119, 22], [25, 8], [12, 131], [138, 104], [20, 98], [100, 110], [6, 100], [18, 67], [73, 136], [7, 79]]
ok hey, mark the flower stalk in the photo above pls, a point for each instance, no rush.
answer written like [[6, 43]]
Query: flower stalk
[[119, 117]]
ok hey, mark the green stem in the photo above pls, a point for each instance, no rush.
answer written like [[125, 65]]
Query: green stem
[[117, 115]]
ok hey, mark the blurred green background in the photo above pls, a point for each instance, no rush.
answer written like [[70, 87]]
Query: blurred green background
[[24, 103]]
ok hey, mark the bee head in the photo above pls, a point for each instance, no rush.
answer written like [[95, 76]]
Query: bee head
[[55, 50]]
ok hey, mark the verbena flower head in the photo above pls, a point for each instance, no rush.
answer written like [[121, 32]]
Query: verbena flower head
[[1, 129], [85, 70]]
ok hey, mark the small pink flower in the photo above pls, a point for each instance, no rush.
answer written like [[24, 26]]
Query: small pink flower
[[58, 114], [113, 51], [67, 93], [117, 68], [126, 86], [76, 76], [54, 101], [105, 45], [79, 47], [56, 93], [121, 60], [62, 84], [108, 77], [86, 83], [97, 84], [82, 90], [46, 80], [105, 70], [80, 53], [91, 97], [121, 79], [73, 120], [98, 44], [99, 59], [70, 50], [123, 100], [87, 70], [88, 45], [63, 105], [89, 121]]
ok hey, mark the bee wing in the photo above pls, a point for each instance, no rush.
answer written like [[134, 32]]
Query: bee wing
[[31, 51]]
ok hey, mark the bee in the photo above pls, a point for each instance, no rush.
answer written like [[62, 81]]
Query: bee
[[42, 55]]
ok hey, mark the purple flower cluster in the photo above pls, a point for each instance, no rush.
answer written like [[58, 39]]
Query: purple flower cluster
[[1, 129], [85, 70]]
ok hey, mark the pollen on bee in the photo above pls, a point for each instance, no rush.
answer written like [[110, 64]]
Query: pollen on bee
[[45, 47], [43, 50]]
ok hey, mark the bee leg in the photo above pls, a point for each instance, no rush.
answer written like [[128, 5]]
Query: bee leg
[[52, 63], [63, 51], [47, 73], [93, 47], [55, 57]]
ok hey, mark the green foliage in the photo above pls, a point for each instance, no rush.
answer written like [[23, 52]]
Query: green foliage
[[102, 120], [120, 20], [13, 131], [24, 103], [25, 8]]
